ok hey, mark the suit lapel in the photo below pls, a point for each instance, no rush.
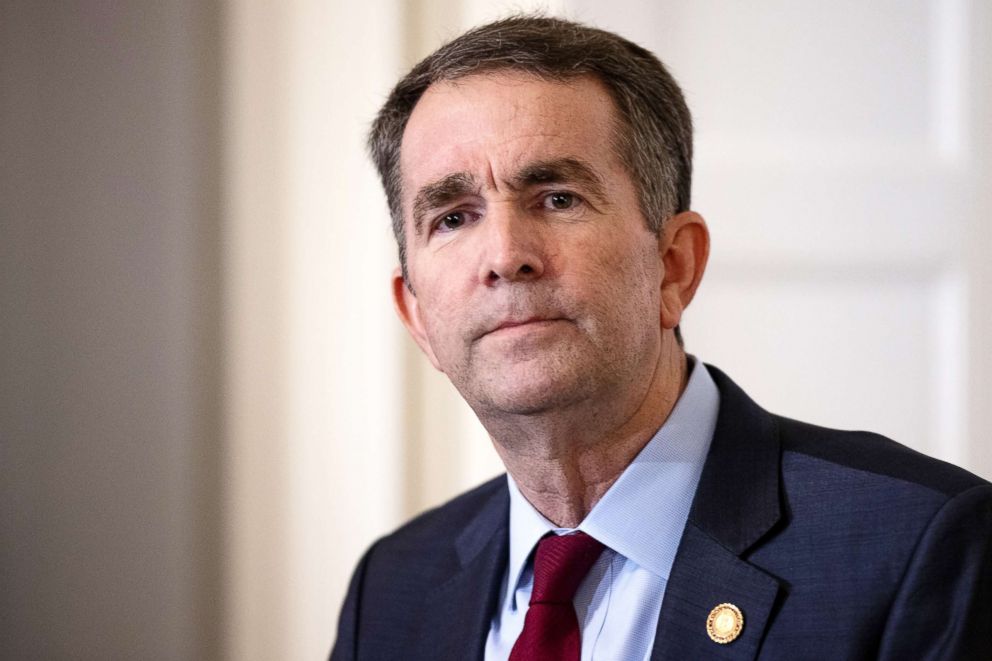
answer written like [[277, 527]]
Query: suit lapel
[[704, 575], [736, 504], [457, 614]]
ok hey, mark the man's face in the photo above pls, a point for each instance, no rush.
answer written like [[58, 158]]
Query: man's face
[[536, 280]]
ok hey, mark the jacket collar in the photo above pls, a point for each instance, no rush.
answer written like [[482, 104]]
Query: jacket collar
[[736, 504], [458, 612], [737, 500]]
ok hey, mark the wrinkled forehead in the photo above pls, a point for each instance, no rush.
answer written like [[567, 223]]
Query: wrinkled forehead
[[486, 123]]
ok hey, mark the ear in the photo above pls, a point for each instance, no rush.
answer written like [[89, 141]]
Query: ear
[[685, 247], [408, 310]]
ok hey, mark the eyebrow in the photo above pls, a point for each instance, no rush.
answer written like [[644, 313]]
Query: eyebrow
[[439, 193], [566, 170]]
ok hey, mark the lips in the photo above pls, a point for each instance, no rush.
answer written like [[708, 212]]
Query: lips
[[511, 323]]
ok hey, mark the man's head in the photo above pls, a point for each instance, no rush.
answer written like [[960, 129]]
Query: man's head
[[653, 135], [547, 255]]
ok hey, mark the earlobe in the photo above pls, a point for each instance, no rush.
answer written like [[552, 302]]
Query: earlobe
[[685, 247], [408, 310]]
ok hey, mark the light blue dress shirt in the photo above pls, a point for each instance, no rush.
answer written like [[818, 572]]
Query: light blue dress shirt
[[640, 521]]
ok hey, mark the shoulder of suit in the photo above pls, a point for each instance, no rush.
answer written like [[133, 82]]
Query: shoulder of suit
[[441, 524], [874, 454]]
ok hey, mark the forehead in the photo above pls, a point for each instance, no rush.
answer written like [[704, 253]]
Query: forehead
[[486, 124]]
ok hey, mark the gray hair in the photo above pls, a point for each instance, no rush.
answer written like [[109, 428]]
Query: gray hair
[[654, 136]]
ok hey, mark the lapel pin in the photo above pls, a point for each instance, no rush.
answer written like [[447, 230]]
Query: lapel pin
[[724, 623]]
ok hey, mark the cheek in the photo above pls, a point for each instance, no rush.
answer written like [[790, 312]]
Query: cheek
[[437, 286], [445, 320], [627, 284], [633, 261]]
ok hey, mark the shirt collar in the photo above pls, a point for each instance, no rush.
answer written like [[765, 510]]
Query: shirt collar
[[643, 513]]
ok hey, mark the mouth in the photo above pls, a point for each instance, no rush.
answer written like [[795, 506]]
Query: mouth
[[509, 326]]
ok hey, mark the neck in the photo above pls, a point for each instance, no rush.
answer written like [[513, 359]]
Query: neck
[[564, 461]]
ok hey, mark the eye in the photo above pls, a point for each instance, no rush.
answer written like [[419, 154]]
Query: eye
[[560, 201], [451, 221]]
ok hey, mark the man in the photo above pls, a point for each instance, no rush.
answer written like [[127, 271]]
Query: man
[[538, 175]]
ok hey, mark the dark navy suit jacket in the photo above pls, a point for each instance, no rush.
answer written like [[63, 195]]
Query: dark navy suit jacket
[[834, 545]]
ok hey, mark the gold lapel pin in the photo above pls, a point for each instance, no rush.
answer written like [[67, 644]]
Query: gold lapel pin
[[724, 623]]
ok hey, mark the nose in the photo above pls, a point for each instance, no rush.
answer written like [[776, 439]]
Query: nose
[[512, 249]]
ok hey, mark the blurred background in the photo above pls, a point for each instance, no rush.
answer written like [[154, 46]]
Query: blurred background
[[207, 408]]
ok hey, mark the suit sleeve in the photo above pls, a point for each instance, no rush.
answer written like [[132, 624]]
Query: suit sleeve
[[346, 645], [943, 609]]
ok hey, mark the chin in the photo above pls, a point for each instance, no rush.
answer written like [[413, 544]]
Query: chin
[[528, 383], [530, 396]]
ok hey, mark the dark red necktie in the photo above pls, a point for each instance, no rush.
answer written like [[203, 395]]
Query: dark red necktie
[[551, 628]]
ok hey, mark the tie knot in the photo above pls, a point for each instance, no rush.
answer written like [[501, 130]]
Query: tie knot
[[560, 564]]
